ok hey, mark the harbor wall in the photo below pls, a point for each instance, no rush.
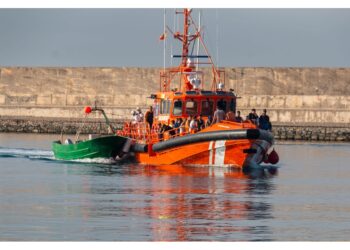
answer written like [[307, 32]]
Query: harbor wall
[[306, 132], [298, 96]]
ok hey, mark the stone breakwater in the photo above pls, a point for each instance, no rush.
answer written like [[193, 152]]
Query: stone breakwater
[[291, 95], [54, 126], [316, 132], [312, 132]]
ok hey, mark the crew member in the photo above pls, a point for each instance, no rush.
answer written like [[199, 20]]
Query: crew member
[[193, 125], [209, 121], [253, 117], [134, 117], [238, 117], [264, 121], [200, 123], [219, 114], [149, 117], [230, 116], [139, 115]]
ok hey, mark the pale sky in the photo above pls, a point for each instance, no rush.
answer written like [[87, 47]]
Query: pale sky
[[130, 37]]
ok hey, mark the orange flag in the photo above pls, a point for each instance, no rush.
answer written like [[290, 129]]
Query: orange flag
[[162, 37]]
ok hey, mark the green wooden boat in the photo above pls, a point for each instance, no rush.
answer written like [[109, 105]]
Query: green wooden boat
[[101, 147]]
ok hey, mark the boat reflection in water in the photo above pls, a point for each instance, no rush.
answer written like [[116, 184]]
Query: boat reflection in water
[[172, 203], [204, 203]]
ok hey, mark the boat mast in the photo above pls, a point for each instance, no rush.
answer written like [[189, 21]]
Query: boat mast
[[185, 38], [198, 43], [185, 67], [185, 42]]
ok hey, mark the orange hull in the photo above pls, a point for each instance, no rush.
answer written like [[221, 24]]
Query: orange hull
[[228, 153], [213, 153]]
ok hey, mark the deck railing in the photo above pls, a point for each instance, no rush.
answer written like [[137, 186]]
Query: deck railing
[[140, 131]]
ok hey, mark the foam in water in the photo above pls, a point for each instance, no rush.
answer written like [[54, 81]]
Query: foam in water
[[24, 152], [46, 155], [97, 160]]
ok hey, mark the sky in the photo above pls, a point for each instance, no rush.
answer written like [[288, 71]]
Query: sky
[[130, 37]]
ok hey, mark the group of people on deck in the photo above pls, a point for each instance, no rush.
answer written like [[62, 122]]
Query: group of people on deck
[[196, 123], [181, 126], [262, 121]]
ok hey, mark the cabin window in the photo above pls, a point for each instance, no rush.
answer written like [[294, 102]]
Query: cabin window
[[177, 110], [164, 107], [222, 103], [233, 105], [191, 107], [207, 108], [168, 104], [167, 107], [156, 109]]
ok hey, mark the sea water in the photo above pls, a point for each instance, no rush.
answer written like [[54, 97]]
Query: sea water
[[43, 199]]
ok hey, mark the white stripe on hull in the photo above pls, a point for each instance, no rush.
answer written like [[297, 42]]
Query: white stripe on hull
[[211, 152], [217, 158], [220, 149]]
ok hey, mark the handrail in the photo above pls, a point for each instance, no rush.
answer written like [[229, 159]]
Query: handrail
[[140, 131]]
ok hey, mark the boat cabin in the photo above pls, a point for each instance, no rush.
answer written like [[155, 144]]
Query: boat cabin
[[171, 105]]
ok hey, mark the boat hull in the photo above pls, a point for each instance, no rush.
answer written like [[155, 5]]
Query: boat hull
[[227, 148], [102, 147]]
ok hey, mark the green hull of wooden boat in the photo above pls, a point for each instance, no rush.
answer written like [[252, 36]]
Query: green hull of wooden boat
[[102, 147]]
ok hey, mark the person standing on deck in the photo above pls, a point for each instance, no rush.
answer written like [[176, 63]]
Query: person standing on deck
[[238, 117], [187, 124], [264, 121], [209, 121], [230, 116], [178, 125], [200, 123], [253, 117], [182, 126], [193, 125], [159, 131], [219, 114], [134, 117], [173, 129], [149, 118], [139, 115]]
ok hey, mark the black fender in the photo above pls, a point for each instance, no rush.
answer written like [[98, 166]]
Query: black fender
[[237, 134]]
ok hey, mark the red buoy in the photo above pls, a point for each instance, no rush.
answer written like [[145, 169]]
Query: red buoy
[[266, 158], [87, 110], [273, 157]]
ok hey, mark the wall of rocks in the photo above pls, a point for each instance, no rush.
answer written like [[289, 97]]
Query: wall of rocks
[[54, 126], [320, 132], [312, 133]]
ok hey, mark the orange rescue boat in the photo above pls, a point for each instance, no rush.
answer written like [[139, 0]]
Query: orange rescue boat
[[225, 143]]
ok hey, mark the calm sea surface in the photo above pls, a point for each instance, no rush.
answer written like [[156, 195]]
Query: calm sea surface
[[42, 199]]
